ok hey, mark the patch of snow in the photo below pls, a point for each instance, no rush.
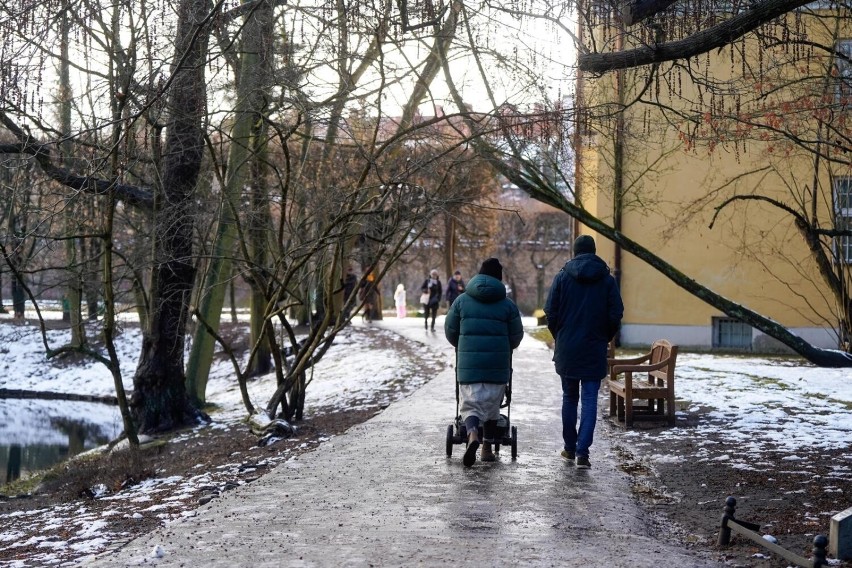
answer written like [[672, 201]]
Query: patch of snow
[[767, 404]]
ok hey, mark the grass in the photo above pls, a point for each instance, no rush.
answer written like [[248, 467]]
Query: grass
[[541, 334], [23, 486]]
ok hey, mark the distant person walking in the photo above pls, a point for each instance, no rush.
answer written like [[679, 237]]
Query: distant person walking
[[455, 287], [399, 301], [484, 326], [584, 311], [349, 283], [432, 287], [370, 297]]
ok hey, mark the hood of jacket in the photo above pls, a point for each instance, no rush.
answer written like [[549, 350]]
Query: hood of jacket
[[486, 289], [587, 268]]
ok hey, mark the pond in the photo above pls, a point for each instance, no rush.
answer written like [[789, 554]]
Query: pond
[[36, 434]]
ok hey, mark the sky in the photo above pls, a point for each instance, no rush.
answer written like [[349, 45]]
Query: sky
[[771, 404]]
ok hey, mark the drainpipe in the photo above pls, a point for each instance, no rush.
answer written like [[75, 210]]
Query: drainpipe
[[618, 160], [579, 125]]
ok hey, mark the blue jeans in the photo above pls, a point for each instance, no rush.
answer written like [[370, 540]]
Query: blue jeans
[[586, 393]]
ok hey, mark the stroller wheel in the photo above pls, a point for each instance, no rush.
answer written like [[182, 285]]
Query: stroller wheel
[[450, 441], [514, 442]]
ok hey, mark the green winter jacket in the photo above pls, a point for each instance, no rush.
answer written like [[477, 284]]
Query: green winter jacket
[[484, 326]]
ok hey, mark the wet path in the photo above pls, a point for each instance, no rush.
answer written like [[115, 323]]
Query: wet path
[[385, 494]]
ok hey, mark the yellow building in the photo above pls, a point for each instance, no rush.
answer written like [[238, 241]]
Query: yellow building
[[727, 166]]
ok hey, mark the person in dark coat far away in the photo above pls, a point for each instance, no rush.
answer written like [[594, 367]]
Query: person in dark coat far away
[[432, 287], [455, 287], [484, 326], [584, 311], [349, 283]]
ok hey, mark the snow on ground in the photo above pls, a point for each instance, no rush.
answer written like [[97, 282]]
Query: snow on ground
[[763, 404], [351, 374], [23, 364]]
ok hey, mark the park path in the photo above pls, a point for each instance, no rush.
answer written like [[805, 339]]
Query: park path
[[385, 494]]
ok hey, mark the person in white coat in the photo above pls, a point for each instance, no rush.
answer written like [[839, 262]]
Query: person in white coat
[[399, 300]]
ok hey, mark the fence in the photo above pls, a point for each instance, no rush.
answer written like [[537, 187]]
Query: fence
[[747, 529]]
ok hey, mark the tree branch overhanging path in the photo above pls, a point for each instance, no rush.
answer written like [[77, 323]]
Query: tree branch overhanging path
[[539, 189], [698, 43]]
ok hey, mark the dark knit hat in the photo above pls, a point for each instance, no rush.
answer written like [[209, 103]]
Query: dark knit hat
[[492, 267], [584, 244]]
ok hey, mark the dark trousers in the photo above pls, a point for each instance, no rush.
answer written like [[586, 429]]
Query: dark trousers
[[433, 309]]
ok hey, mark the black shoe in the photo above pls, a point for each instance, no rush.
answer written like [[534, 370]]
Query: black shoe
[[568, 455], [583, 462], [470, 453], [433, 329]]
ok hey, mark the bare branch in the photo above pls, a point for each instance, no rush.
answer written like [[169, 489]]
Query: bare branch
[[642, 9], [774, 202], [696, 44], [136, 196]]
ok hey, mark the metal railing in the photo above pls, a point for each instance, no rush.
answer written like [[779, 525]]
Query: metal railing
[[748, 530]]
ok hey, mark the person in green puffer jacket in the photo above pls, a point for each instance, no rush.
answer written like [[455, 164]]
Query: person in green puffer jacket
[[484, 326]]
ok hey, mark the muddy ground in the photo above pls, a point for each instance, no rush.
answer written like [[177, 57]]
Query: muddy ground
[[791, 497]]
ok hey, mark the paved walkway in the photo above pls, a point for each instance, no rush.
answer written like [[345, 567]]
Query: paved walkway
[[385, 494]]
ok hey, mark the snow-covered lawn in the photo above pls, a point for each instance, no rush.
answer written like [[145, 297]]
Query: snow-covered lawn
[[764, 404]]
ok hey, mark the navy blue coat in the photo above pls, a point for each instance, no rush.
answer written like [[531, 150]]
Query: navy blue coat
[[584, 311], [484, 326], [434, 291]]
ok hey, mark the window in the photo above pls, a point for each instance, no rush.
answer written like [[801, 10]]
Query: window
[[731, 333], [843, 217], [844, 72]]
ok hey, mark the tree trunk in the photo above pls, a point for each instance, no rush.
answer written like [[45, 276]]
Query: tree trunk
[[160, 401], [449, 246], [255, 72], [259, 228], [74, 289], [262, 361], [92, 280]]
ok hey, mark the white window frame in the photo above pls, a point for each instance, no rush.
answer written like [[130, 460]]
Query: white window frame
[[842, 189], [745, 332]]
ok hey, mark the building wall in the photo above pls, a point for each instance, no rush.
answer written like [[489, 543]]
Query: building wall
[[752, 255]]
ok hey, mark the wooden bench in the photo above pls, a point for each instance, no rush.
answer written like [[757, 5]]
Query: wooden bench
[[650, 377]]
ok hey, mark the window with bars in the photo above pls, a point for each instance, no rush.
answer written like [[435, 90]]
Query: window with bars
[[843, 217], [731, 333]]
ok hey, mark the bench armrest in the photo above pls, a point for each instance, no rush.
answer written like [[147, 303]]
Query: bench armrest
[[618, 369], [629, 360]]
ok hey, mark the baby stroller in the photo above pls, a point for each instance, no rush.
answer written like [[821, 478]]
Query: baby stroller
[[506, 434]]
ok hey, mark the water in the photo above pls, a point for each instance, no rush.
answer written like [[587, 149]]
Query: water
[[36, 434]]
